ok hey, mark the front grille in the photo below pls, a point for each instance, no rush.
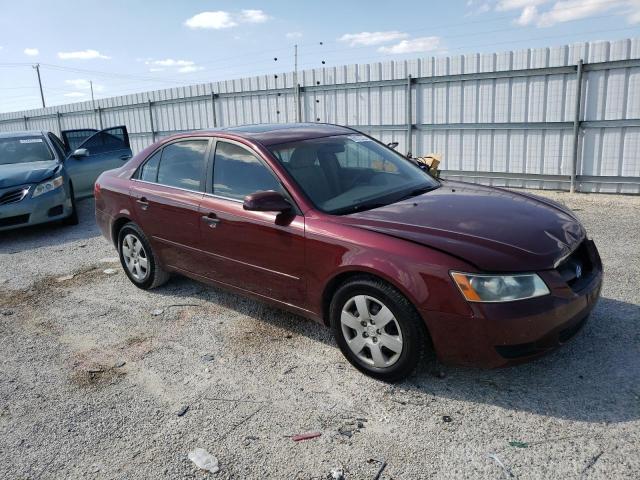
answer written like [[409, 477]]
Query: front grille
[[11, 221], [14, 196], [578, 268]]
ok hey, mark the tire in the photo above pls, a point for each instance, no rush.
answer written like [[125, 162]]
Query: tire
[[73, 218], [138, 260], [390, 353]]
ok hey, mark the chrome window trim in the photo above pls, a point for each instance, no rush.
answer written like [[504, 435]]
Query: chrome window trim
[[187, 190]]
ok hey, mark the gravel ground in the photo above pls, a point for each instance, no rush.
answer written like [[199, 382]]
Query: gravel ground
[[94, 373]]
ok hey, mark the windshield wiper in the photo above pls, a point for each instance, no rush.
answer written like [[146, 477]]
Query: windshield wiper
[[359, 207], [417, 191]]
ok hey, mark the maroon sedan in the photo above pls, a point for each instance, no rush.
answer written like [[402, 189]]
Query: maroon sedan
[[335, 226]]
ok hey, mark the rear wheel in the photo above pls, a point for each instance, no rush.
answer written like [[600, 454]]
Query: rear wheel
[[138, 260], [377, 328]]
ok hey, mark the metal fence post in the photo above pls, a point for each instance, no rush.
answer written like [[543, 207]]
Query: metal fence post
[[26, 123], [576, 126], [409, 116], [59, 119], [296, 93], [153, 130], [213, 108]]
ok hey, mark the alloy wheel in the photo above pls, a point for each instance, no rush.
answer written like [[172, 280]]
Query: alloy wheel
[[371, 331], [135, 257]]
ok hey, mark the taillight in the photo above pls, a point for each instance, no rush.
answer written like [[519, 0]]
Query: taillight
[[96, 189]]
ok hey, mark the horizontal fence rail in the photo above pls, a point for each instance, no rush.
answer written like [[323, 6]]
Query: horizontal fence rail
[[563, 117]]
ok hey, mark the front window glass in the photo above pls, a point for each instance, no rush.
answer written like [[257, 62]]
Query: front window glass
[[238, 173], [182, 164], [348, 173], [24, 149]]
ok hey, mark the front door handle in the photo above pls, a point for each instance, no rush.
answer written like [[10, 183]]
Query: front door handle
[[144, 204], [212, 220]]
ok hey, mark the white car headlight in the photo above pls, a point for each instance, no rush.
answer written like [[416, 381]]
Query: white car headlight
[[499, 288], [48, 186]]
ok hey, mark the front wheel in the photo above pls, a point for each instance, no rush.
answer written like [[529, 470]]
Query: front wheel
[[377, 329], [138, 260], [73, 218]]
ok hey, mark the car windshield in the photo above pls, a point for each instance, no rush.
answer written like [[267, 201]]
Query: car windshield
[[349, 173], [24, 149]]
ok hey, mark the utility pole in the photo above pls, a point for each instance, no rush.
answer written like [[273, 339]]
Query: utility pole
[[93, 102], [295, 81], [37, 67]]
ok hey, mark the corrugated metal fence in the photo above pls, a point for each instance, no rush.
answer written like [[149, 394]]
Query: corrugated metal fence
[[513, 118]]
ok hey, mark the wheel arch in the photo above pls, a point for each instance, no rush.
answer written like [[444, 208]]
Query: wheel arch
[[116, 227], [340, 278]]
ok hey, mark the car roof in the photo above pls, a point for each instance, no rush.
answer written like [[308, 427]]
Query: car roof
[[21, 133], [276, 133]]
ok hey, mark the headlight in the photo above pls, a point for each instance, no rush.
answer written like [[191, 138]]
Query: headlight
[[499, 288], [48, 186]]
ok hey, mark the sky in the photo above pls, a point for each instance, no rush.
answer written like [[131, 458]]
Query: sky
[[125, 47]]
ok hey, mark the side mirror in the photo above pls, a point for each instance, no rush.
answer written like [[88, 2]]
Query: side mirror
[[266, 202], [392, 145], [80, 152]]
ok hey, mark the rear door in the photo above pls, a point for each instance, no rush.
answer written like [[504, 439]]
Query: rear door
[[167, 192], [262, 252], [106, 149]]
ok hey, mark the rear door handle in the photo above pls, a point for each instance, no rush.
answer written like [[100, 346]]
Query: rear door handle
[[144, 204], [212, 220]]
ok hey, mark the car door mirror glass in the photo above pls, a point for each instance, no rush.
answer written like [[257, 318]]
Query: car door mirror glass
[[80, 152], [266, 202]]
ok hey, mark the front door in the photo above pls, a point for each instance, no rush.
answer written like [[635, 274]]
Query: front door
[[261, 252], [167, 192], [104, 150]]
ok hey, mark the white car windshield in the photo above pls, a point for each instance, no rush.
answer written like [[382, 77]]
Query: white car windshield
[[24, 149], [348, 173]]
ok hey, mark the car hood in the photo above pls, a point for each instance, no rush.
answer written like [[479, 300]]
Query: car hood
[[29, 172], [494, 229]]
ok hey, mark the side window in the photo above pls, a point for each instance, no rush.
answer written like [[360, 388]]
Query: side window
[[182, 164], [58, 144], [104, 142], [238, 172], [149, 171]]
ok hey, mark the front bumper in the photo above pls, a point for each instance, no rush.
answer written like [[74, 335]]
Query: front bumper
[[48, 207], [500, 334]]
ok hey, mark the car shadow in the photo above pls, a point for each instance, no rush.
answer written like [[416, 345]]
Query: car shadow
[[55, 233], [593, 378]]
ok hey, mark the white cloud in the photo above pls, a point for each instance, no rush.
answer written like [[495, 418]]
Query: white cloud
[[31, 52], [190, 68], [562, 11], [83, 84], [372, 38], [181, 66], [528, 15], [75, 94], [253, 16], [170, 62], [415, 45], [215, 20], [567, 11], [220, 19], [82, 55], [292, 35], [504, 5]]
